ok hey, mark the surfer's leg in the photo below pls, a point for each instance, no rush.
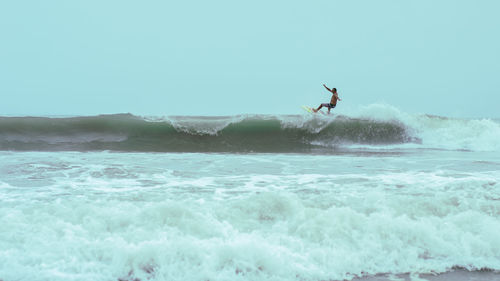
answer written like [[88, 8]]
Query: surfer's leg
[[316, 110], [320, 106], [330, 106]]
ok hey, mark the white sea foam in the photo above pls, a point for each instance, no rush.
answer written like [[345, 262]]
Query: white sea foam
[[311, 123], [110, 216], [203, 125]]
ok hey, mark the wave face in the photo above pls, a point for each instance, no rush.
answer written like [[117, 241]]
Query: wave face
[[373, 126], [255, 133]]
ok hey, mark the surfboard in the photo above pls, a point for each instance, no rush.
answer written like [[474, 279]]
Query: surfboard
[[310, 110]]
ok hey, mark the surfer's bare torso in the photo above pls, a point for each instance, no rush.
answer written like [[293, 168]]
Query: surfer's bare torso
[[334, 99]]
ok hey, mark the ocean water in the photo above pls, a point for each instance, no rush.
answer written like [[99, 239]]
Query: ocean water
[[377, 194]]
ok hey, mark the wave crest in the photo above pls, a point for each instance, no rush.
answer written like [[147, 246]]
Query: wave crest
[[375, 125]]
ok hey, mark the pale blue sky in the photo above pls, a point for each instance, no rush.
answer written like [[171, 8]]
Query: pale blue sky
[[230, 57]]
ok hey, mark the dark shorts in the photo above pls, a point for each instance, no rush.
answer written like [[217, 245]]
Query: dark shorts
[[329, 105]]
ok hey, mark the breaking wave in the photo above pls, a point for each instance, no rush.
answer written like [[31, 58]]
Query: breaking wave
[[374, 125]]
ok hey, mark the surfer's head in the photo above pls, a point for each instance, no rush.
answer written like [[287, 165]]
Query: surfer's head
[[334, 90]]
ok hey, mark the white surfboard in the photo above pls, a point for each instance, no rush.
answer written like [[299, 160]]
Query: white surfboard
[[310, 110]]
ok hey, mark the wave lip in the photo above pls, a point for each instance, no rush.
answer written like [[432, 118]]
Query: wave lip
[[244, 133]]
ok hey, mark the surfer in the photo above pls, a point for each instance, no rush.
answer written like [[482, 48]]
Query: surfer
[[333, 101]]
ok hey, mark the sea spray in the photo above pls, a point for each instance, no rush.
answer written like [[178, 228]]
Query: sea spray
[[438, 132]]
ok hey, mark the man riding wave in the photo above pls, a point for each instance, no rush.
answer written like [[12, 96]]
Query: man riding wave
[[333, 100]]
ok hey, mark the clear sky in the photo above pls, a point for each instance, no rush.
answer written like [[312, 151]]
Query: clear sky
[[86, 57]]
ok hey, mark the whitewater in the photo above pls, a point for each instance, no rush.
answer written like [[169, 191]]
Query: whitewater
[[375, 194]]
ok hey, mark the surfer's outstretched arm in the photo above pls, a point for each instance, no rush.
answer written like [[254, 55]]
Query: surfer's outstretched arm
[[327, 88]]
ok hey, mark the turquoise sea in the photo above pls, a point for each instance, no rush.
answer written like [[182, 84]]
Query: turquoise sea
[[376, 195]]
